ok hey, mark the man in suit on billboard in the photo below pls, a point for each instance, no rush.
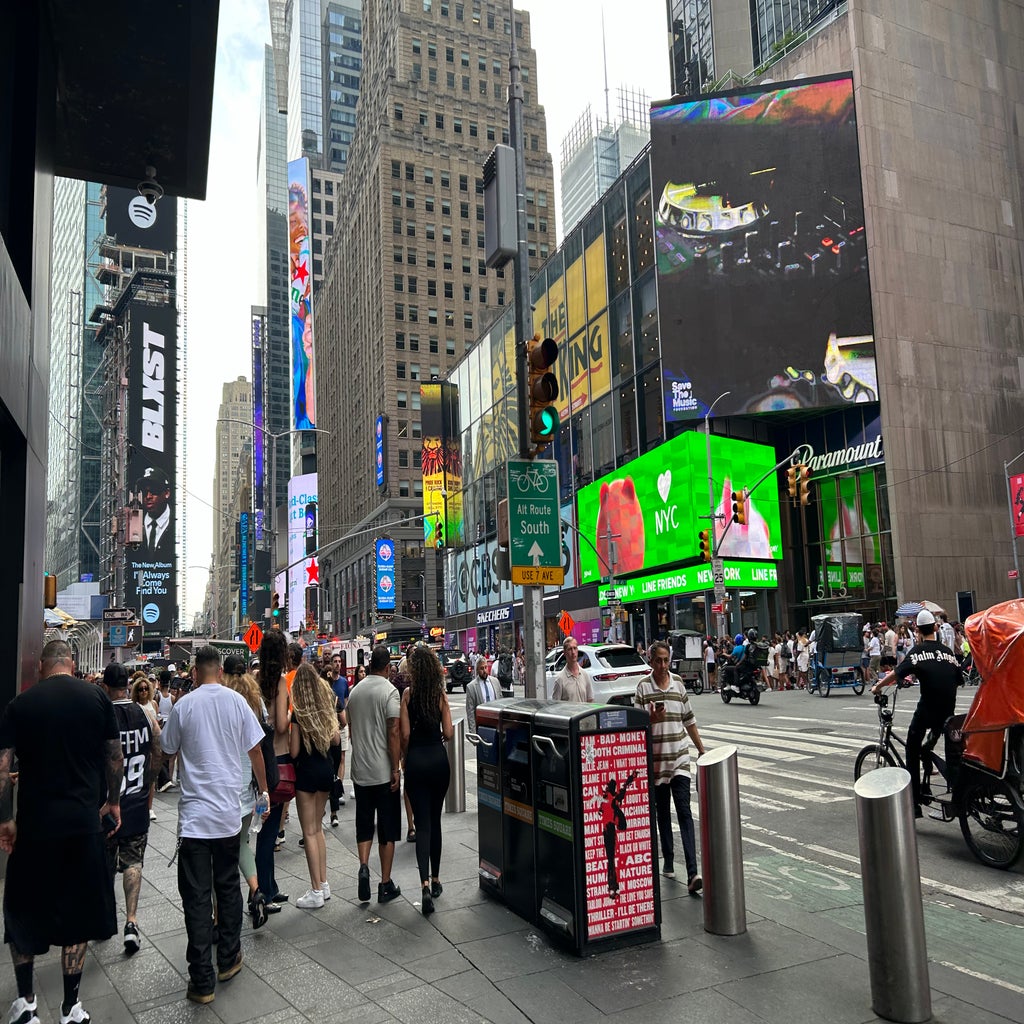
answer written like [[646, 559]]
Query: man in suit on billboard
[[157, 535]]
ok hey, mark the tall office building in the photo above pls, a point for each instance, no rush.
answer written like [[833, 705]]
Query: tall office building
[[595, 152], [342, 45], [233, 435], [405, 286], [73, 452], [715, 42], [272, 288], [305, 81]]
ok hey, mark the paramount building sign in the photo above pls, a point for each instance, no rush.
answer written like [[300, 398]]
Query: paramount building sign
[[867, 453]]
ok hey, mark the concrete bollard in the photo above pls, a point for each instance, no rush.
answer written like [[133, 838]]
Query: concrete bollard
[[721, 846], [893, 913], [455, 801]]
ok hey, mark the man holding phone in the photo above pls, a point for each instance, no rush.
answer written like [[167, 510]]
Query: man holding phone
[[672, 720], [65, 736]]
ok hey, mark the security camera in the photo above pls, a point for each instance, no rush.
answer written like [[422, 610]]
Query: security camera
[[444, 493], [150, 189]]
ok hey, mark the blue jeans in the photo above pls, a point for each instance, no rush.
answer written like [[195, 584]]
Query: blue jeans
[[677, 791], [265, 852]]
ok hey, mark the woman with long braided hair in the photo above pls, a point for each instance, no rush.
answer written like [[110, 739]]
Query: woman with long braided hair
[[426, 724], [314, 731]]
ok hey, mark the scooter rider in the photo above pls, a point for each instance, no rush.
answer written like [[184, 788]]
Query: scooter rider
[[937, 669]]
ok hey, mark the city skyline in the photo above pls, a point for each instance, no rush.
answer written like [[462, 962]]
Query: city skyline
[[224, 222]]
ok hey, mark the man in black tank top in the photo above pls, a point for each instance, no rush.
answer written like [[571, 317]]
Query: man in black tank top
[[126, 849]]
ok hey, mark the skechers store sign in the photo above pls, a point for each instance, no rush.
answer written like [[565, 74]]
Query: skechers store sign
[[493, 616], [749, 575]]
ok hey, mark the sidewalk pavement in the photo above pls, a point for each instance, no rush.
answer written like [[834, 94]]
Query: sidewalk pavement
[[475, 961]]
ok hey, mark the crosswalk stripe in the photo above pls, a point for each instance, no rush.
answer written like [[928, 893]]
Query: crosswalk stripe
[[797, 777], [794, 736], [771, 754], [807, 795], [785, 746]]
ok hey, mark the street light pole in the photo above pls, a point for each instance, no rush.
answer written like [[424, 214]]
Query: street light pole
[[712, 518], [1013, 524]]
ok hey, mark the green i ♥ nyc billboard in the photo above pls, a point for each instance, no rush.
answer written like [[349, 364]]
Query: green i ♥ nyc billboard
[[652, 508]]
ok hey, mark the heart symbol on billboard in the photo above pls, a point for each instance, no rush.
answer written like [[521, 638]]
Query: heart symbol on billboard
[[664, 484]]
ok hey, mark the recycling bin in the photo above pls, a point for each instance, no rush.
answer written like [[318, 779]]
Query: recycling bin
[[596, 880], [490, 819]]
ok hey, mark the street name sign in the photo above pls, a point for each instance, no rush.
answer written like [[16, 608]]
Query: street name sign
[[534, 523]]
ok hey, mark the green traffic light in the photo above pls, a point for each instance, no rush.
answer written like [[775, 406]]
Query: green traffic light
[[547, 422]]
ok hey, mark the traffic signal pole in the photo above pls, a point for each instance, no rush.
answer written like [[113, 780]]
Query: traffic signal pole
[[533, 597]]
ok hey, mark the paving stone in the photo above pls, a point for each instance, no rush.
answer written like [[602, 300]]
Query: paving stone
[[313, 990]]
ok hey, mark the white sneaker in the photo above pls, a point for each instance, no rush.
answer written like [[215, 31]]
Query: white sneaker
[[326, 890], [23, 1012], [152, 815], [76, 1016], [312, 900]]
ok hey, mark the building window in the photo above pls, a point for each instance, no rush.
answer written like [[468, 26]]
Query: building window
[[414, 314], [399, 283], [402, 397], [432, 76], [403, 458], [415, 46], [396, 168], [464, 211], [396, 225], [412, 258], [412, 285], [431, 286], [448, 260], [432, 51], [490, 133], [417, 429], [483, 296], [439, 121], [474, 130], [403, 488], [399, 310], [400, 340], [446, 207], [400, 371], [448, 292], [396, 197], [431, 316], [446, 180], [428, 176], [433, 345], [431, 229], [399, 112], [450, 79], [446, 236], [449, 54], [467, 321], [449, 346]]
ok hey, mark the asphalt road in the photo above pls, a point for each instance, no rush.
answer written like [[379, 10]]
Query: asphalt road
[[796, 755]]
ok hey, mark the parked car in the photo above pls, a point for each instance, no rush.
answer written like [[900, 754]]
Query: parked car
[[456, 668], [614, 668]]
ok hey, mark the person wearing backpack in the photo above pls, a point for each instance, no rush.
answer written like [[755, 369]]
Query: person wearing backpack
[[504, 671]]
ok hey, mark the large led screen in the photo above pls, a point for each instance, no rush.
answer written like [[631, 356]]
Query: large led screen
[[303, 572], [300, 297], [762, 260], [655, 507]]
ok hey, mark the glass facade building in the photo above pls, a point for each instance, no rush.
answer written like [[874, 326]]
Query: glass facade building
[[305, 82], [597, 296], [342, 69]]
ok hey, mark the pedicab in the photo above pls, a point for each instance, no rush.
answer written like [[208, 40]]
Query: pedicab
[[838, 645]]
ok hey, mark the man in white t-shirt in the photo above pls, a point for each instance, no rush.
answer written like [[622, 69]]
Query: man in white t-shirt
[[210, 729]]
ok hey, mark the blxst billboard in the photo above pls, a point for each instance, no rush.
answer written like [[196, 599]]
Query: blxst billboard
[[302, 571], [762, 262], [441, 463], [655, 507], [151, 576]]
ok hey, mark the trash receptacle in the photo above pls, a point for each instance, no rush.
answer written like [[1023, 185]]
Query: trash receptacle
[[596, 881], [490, 819]]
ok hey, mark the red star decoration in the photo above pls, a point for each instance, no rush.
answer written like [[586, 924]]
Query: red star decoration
[[301, 273], [312, 573]]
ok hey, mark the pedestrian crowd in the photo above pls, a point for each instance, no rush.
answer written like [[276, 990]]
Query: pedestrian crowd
[[241, 743]]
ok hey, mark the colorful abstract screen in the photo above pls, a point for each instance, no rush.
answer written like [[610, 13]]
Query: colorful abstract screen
[[762, 258]]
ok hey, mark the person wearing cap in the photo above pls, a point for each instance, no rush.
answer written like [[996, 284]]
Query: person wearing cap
[[157, 536], [937, 670]]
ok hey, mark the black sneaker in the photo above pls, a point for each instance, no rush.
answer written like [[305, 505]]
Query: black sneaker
[[131, 938], [427, 901], [694, 885], [436, 888], [364, 883], [388, 891], [668, 869], [281, 897]]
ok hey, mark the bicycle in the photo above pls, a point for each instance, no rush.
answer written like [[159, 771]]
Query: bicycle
[[990, 810], [535, 481]]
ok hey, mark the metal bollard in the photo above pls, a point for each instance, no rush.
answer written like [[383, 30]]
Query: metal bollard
[[891, 880], [455, 801], [721, 847]]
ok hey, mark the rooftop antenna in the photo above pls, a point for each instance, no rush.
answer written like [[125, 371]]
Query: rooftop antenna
[[604, 52]]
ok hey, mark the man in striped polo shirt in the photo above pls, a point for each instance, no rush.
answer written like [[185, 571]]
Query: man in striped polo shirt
[[664, 696]]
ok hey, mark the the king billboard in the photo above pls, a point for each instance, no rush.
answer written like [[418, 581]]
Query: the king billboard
[[763, 285]]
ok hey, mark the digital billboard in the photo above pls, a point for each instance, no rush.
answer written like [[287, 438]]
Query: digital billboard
[[151, 577], [302, 571], [441, 462], [378, 448], [139, 223], [762, 262], [300, 297], [259, 440], [655, 507], [385, 553]]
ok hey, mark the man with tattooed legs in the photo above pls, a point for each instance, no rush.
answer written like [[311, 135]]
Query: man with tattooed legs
[[64, 734]]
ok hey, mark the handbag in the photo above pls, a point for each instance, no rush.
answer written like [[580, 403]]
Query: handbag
[[285, 788]]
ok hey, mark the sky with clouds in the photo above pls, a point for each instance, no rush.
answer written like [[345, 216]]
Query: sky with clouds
[[221, 230]]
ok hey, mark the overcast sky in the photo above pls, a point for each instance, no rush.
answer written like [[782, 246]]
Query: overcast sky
[[221, 235]]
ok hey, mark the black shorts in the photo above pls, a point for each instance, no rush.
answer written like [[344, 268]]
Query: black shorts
[[125, 852], [58, 893], [381, 804]]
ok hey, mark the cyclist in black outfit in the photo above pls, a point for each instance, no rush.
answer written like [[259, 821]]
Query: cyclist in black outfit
[[937, 669]]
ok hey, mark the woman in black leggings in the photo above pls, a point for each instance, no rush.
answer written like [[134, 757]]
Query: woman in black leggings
[[426, 725]]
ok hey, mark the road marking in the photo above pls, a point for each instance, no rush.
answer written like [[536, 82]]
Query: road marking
[[735, 734], [816, 721], [791, 776], [806, 795], [795, 735], [765, 753], [981, 976]]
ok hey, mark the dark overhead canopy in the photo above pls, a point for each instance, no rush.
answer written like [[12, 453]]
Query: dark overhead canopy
[[135, 89]]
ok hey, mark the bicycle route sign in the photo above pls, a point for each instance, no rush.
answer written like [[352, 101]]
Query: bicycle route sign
[[534, 524]]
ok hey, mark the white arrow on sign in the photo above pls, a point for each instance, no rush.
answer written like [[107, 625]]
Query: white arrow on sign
[[536, 553]]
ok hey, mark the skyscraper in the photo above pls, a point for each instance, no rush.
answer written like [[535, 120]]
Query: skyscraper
[[405, 287], [272, 285], [342, 45], [595, 152], [73, 478], [305, 81], [233, 436]]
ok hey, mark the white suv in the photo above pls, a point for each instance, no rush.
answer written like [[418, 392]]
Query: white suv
[[614, 668]]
